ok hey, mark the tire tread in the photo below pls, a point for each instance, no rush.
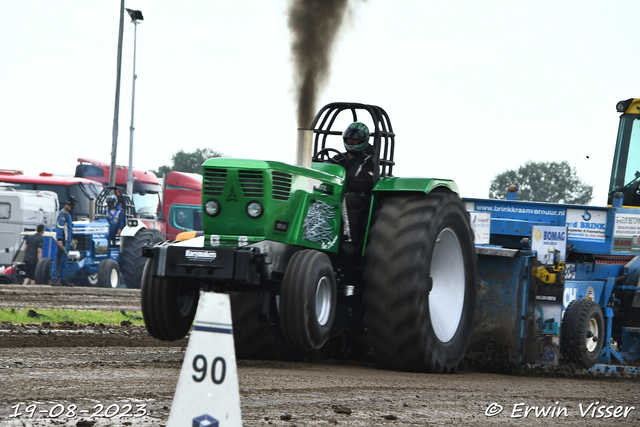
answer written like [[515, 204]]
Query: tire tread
[[573, 332], [397, 312]]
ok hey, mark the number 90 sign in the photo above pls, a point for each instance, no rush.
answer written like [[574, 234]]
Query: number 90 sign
[[208, 383], [218, 369]]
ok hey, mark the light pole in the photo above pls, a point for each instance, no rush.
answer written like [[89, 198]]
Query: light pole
[[136, 16], [116, 111]]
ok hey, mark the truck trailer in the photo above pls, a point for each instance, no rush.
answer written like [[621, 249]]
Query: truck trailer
[[21, 211]]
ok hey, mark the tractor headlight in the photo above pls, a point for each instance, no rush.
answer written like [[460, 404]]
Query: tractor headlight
[[254, 209], [212, 207], [621, 107]]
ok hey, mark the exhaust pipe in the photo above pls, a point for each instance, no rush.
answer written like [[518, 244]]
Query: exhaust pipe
[[304, 148], [92, 209]]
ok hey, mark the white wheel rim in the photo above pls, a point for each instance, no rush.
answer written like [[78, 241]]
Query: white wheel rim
[[113, 278], [446, 299], [92, 279], [592, 335], [323, 301]]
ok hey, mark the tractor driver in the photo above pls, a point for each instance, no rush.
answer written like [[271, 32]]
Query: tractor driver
[[64, 232], [115, 216], [360, 164]]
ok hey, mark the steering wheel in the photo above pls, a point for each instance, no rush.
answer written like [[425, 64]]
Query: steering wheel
[[325, 153]]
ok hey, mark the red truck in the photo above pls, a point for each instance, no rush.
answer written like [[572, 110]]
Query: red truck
[[170, 208], [182, 210]]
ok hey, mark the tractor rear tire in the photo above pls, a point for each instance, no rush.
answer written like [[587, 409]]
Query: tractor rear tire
[[168, 307], [582, 333], [255, 339], [43, 271], [308, 300], [420, 283], [131, 259], [109, 274]]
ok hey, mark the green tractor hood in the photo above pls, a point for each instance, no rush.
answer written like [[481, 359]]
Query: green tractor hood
[[267, 200]]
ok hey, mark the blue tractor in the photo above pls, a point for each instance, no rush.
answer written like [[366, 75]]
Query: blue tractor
[[94, 259]]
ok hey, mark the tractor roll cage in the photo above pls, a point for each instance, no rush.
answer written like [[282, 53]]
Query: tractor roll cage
[[383, 136], [123, 199]]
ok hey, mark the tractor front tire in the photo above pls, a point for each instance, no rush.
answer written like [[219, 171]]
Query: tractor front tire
[[109, 274], [168, 307], [582, 333], [308, 300], [43, 271], [131, 259], [255, 339], [420, 283]]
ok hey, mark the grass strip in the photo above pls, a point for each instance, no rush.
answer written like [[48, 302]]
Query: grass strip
[[55, 315]]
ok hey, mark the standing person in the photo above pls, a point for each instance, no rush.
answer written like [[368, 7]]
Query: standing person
[[33, 254], [115, 216], [64, 232], [359, 167]]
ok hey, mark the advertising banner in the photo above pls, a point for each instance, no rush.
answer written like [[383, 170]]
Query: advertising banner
[[550, 242], [626, 233], [586, 225]]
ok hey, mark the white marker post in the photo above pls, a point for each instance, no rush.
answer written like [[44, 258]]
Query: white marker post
[[207, 394]]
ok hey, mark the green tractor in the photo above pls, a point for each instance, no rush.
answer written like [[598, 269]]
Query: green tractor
[[276, 240]]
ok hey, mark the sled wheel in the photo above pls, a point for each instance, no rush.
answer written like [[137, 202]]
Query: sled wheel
[[168, 306], [308, 300], [131, 258], [109, 274], [43, 271], [582, 333], [420, 276]]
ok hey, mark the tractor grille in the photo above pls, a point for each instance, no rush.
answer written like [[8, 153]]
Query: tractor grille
[[84, 242], [213, 181], [281, 183], [251, 183]]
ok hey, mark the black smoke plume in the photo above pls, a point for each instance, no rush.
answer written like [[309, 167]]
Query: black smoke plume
[[314, 24]]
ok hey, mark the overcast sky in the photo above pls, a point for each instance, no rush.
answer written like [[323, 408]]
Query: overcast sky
[[473, 88]]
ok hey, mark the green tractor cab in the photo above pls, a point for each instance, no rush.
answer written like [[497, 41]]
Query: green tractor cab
[[276, 239]]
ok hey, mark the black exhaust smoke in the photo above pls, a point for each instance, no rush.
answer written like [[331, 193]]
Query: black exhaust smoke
[[314, 24]]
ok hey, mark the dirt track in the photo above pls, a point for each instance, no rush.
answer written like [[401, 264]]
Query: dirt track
[[64, 365]]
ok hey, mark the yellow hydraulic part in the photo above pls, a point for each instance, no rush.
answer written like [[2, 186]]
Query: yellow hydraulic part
[[546, 276], [187, 235]]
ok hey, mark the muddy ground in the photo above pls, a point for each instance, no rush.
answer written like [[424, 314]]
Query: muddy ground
[[49, 368]]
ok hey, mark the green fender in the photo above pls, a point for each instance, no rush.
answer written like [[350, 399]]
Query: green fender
[[387, 185], [420, 185]]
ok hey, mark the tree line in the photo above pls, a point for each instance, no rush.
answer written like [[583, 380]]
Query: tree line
[[191, 162], [551, 182]]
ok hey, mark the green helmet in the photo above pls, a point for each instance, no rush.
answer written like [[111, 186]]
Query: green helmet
[[356, 137]]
